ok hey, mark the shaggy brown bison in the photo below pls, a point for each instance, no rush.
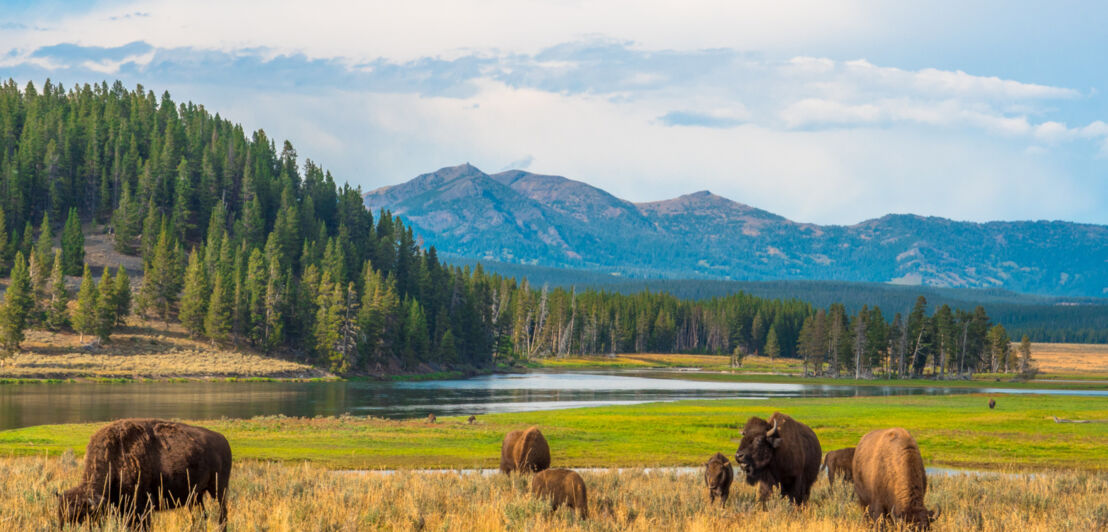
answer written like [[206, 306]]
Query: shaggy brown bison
[[992, 404], [889, 478], [779, 452], [431, 418], [562, 487], [524, 451], [718, 475], [839, 463], [472, 420], [139, 466]]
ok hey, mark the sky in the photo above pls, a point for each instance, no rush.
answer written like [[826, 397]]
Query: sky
[[823, 112]]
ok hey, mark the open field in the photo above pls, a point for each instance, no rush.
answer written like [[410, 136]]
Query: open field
[[953, 431], [751, 364], [1071, 358], [293, 497], [143, 350]]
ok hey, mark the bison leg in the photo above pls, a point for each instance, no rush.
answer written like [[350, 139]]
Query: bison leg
[[764, 491], [711, 495], [724, 494]]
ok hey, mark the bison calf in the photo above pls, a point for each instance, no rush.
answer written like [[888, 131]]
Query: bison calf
[[562, 487], [839, 463], [889, 478], [139, 466], [779, 452], [524, 451], [718, 475]]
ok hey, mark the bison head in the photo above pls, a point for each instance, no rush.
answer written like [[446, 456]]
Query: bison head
[[759, 442], [715, 471], [75, 506]]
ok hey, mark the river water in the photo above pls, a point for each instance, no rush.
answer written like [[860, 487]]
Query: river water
[[23, 405]]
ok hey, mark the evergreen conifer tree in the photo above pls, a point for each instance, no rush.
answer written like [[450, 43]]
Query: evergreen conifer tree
[[217, 322], [57, 311], [161, 283], [73, 245], [122, 296], [84, 315], [194, 298], [17, 304], [105, 306]]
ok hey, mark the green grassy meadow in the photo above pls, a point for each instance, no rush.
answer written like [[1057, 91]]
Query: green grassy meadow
[[952, 431]]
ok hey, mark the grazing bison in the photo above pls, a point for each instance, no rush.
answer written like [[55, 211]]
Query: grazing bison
[[992, 404], [524, 451], [472, 420], [562, 487], [839, 463], [889, 478], [718, 475], [779, 452], [139, 466]]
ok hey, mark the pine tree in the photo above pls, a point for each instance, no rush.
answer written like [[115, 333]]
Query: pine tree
[[274, 329], [5, 246], [161, 284], [105, 307], [217, 322], [45, 245], [125, 222], [57, 311], [73, 245], [84, 315], [183, 215], [17, 304], [39, 276], [194, 298], [773, 348], [1025, 355], [122, 296]]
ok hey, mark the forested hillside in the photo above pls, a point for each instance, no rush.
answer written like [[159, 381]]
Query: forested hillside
[[244, 244]]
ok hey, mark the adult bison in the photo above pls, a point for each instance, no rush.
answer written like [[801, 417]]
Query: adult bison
[[718, 475], [139, 466], [780, 452], [524, 451], [992, 404], [889, 478], [562, 487], [839, 463]]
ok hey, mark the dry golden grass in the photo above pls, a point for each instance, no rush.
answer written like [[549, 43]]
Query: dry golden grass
[[143, 349], [267, 496], [1070, 358]]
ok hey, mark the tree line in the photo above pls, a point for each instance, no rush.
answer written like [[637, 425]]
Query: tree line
[[243, 244]]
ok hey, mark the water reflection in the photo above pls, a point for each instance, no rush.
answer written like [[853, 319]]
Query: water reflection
[[36, 404]]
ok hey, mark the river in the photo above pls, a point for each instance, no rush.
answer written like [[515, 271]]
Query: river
[[23, 405]]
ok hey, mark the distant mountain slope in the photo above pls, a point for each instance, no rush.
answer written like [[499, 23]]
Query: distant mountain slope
[[525, 218]]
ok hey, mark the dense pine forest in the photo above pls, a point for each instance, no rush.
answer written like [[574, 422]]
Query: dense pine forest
[[245, 245]]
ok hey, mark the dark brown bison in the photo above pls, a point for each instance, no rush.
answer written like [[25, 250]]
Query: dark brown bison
[[472, 420], [431, 418], [139, 466], [889, 478], [562, 487], [992, 404], [718, 475], [780, 452], [839, 463], [524, 451]]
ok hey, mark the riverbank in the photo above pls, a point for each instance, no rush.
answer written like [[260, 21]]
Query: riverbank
[[275, 496], [953, 431]]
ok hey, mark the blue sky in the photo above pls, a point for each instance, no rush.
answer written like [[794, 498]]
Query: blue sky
[[821, 113]]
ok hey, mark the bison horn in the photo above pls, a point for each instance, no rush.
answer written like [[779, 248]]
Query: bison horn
[[772, 432]]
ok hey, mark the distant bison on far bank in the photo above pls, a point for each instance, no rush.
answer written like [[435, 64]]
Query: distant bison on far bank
[[889, 478], [524, 451], [992, 404], [718, 475], [779, 452], [839, 463], [562, 487], [139, 466]]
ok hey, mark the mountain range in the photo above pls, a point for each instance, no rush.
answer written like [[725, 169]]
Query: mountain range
[[526, 218]]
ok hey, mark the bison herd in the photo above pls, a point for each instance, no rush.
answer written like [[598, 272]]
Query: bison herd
[[139, 466]]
